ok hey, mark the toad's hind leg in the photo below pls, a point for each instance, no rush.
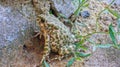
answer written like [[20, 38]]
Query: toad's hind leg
[[65, 51], [47, 49]]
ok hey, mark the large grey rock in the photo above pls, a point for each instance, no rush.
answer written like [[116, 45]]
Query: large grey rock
[[16, 25], [13, 22], [66, 7]]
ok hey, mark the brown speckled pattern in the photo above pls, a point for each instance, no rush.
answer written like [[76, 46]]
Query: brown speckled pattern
[[56, 38]]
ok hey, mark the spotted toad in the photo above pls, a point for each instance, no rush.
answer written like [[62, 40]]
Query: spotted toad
[[57, 37]]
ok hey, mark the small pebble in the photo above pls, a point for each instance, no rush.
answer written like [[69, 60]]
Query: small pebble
[[84, 14]]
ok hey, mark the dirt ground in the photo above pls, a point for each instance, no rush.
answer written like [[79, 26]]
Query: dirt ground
[[30, 55]]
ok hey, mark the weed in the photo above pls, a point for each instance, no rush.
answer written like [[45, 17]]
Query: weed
[[111, 32]]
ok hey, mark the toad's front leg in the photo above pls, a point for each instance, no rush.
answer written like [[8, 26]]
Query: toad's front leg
[[47, 49], [38, 34]]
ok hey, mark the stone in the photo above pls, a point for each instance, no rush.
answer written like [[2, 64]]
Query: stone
[[84, 14], [14, 21], [66, 7]]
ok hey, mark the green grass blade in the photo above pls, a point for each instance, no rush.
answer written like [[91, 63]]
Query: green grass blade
[[115, 13], [83, 55], [70, 62], [86, 5], [83, 48], [45, 64], [81, 4], [102, 46], [112, 34], [78, 58], [61, 15]]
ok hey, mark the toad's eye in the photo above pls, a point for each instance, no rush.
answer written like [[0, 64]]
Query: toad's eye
[[37, 19], [42, 20]]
